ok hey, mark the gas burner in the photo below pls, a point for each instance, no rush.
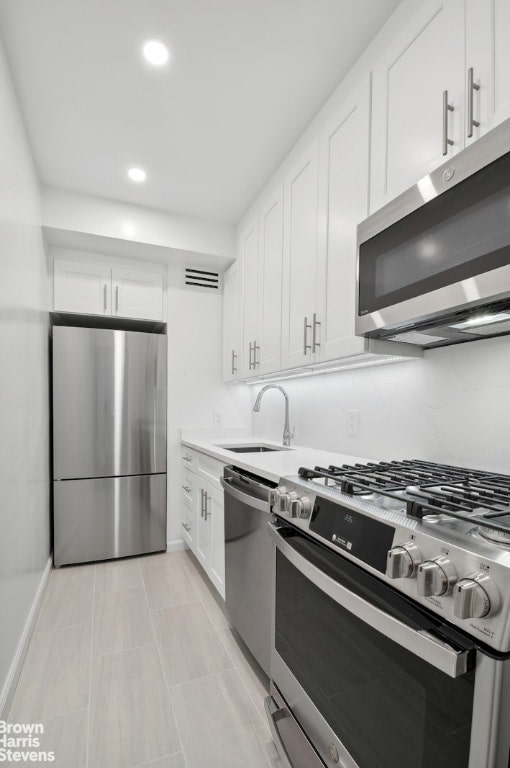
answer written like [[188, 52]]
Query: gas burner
[[497, 536], [427, 491]]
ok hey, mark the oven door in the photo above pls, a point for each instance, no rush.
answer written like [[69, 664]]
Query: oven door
[[364, 672]]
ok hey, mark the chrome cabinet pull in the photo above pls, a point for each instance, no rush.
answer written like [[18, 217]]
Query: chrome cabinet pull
[[187, 458], [446, 108], [206, 498], [202, 494], [116, 298], [185, 488], [306, 345], [186, 526], [234, 362], [315, 323], [250, 365], [255, 348], [472, 86], [104, 297]]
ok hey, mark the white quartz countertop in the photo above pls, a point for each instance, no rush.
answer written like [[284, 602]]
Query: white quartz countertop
[[272, 465]]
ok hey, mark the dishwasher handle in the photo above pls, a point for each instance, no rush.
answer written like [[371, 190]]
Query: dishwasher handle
[[245, 498]]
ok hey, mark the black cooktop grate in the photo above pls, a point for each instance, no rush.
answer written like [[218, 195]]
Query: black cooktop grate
[[471, 495]]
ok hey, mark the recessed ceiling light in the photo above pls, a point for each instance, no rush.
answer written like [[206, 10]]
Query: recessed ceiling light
[[155, 52], [137, 174]]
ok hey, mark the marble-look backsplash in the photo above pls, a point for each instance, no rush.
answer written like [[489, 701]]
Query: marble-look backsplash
[[452, 406]]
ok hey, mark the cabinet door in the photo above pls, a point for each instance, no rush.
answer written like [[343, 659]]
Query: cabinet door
[[249, 255], [83, 287], [270, 283], [488, 53], [425, 60], [137, 293], [204, 528], [343, 203], [299, 258], [215, 515], [232, 335]]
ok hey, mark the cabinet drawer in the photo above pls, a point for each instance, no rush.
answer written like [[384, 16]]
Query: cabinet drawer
[[189, 458], [188, 487], [187, 521], [210, 469]]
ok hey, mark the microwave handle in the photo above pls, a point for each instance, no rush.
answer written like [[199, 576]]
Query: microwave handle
[[421, 643]]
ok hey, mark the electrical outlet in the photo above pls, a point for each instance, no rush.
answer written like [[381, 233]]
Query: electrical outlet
[[217, 418], [352, 423]]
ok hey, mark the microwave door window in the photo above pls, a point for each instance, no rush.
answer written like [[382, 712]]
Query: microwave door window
[[460, 234]]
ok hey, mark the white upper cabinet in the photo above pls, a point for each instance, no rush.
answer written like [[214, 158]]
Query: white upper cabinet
[[418, 103], [82, 287], [249, 255], [269, 299], [343, 203], [232, 331], [299, 258], [260, 256], [137, 293], [96, 288], [488, 55]]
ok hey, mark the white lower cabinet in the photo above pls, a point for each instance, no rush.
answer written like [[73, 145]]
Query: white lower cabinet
[[210, 546], [202, 515]]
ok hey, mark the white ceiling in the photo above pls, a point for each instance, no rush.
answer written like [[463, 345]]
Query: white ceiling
[[245, 78]]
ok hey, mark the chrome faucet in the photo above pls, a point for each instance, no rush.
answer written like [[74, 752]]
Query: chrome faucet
[[287, 435]]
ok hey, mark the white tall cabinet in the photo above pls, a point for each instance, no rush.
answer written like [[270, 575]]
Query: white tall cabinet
[[232, 329], [269, 282], [260, 259], [299, 258], [488, 54], [411, 125], [343, 203], [249, 255]]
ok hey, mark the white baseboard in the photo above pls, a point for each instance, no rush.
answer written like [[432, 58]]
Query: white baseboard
[[176, 545], [11, 682]]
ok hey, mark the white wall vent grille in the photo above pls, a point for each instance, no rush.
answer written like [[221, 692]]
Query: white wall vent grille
[[202, 279]]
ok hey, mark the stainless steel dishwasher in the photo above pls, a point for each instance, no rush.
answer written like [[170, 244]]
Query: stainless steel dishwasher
[[248, 559]]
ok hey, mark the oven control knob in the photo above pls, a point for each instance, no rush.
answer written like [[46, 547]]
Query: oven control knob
[[301, 507], [403, 561], [285, 501], [436, 577], [275, 493], [476, 597]]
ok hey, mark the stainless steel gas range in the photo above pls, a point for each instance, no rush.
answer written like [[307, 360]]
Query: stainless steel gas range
[[391, 637]]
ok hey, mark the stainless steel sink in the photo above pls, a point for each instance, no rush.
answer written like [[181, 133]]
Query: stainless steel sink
[[250, 448]]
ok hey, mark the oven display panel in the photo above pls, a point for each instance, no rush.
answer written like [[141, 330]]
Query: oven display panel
[[367, 539]]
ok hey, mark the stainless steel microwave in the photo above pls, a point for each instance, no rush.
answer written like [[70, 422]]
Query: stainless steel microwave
[[434, 264]]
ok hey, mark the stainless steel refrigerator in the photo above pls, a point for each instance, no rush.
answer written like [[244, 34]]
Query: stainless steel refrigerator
[[109, 443]]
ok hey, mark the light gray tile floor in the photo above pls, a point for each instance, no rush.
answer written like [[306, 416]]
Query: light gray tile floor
[[133, 664]]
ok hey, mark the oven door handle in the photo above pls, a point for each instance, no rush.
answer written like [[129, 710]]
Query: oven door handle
[[421, 643], [245, 498]]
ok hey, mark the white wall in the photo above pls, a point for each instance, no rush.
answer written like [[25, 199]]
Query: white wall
[[453, 406], [64, 210], [24, 412], [195, 387]]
